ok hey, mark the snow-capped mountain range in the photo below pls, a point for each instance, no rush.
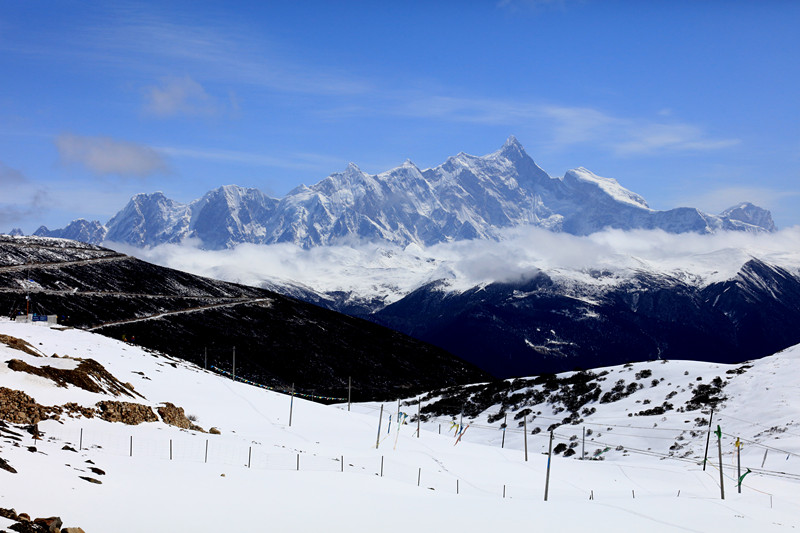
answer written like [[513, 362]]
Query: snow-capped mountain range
[[466, 197]]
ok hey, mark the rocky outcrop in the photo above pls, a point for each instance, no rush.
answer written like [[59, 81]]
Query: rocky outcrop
[[7, 467], [23, 523], [174, 416], [19, 344], [19, 408], [88, 375], [125, 412], [52, 524]]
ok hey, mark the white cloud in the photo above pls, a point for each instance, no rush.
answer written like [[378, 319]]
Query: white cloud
[[389, 271], [105, 155], [180, 96]]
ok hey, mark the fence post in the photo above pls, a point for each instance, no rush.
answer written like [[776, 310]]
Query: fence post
[[131, 445], [381, 466], [249, 455], [419, 476], [380, 419], [343, 463], [206, 459], [504, 491], [170, 449], [80, 442], [298, 462], [456, 485], [549, 456]]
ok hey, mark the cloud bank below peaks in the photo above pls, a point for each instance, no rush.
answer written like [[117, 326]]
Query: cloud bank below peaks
[[389, 272]]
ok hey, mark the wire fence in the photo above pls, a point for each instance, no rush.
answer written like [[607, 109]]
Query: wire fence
[[431, 474]]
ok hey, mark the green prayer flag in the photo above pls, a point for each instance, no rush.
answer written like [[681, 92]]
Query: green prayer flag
[[718, 432], [742, 476]]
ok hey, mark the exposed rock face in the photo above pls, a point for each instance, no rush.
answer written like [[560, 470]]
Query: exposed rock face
[[89, 375], [126, 412], [174, 416], [19, 408], [74, 410], [19, 344], [5, 466]]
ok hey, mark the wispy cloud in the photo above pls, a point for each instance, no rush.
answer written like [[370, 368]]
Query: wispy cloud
[[25, 197], [302, 161], [108, 156], [180, 96], [223, 53], [574, 125]]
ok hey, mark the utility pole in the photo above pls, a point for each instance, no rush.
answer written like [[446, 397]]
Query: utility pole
[[708, 439], [549, 456], [291, 406], [419, 401], [583, 445], [378, 440], [719, 447], [739, 463], [525, 431]]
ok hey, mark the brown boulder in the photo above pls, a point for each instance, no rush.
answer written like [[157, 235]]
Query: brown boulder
[[174, 416], [52, 524], [126, 412]]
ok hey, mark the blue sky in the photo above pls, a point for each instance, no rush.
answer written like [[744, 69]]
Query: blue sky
[[686, 103]]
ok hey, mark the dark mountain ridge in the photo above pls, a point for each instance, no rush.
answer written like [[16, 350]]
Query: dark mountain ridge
[[278, 340]]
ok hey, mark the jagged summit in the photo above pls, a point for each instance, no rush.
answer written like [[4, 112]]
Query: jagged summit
[[466, 197]]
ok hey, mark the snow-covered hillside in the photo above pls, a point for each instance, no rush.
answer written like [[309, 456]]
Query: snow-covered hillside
[[158, 477]]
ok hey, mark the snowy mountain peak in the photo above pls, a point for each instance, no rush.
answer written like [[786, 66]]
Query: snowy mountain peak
[[750, 214], [609, 186], [512, 149], [466, 197]]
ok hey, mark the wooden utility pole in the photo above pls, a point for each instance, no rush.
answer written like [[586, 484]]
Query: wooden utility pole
[[291, 406], [708, 439], [721, 478], [378, 440], [418, 415], [549, 456], [739, 463], [583, 445], [525, 431]]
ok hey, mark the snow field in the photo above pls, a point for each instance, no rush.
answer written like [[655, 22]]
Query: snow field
[[148, 491]]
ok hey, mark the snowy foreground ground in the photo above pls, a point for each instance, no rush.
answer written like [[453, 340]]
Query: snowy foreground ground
[[247, 478]]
